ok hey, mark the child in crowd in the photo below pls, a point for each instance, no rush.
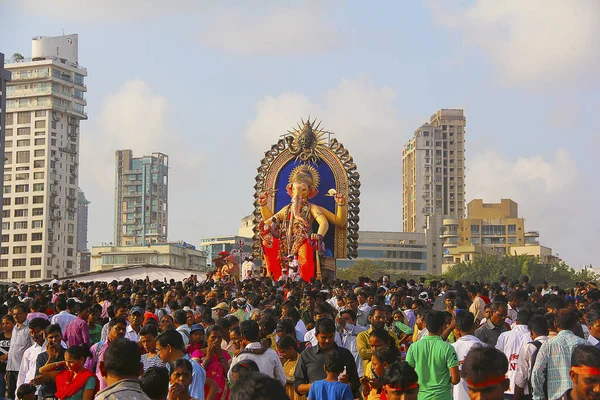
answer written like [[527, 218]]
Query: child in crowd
[[288, 352], [236, 338], [485, 370], [372, 381], [400, 382], [331, 388], [242, 368], [26, 392]]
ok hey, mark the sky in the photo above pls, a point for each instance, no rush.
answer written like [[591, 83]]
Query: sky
[[214, 85]]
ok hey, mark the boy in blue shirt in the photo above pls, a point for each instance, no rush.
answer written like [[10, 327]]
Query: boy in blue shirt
[[330, 388]]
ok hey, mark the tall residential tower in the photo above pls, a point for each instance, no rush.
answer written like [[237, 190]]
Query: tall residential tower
[[45, 104], [141, 194], [433, 174]]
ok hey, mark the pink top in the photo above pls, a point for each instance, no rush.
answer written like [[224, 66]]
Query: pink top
[[214, 370]]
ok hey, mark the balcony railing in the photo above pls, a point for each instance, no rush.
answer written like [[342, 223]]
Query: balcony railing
[[53, 58]]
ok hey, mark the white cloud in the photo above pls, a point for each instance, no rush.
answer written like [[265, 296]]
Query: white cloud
[[550, 197], [238, 27], [94, 11], [284, 29], [138, 119], [366, 121], [533, 43]]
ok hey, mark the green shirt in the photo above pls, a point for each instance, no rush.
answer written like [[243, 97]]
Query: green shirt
[[432, 359]]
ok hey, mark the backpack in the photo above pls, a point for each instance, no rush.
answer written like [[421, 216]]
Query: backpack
[[534, 355]]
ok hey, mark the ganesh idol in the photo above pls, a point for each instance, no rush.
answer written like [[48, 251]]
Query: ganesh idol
[[289, 232]]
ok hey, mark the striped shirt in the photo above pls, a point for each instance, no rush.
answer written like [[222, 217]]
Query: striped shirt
[[553, 363]]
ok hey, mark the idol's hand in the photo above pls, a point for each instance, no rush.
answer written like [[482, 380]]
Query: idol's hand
[[340, 199], [263, 198]]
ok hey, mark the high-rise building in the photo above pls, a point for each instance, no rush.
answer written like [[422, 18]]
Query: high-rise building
[[433, 174], [4, 77], [82, 222], [45, 104], [141, 193]]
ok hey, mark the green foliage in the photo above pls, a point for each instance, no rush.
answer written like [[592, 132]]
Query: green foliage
[[490, 269], [371, 269], [18, 57]]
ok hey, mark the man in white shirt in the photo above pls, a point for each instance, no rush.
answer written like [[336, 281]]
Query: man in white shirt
[[28, 367], [268, 362], [511, 342], [465, 341], [322, 311], [136, 317], [538, 326], [363, 306], [248, 268], [348, 330], [63, 318]]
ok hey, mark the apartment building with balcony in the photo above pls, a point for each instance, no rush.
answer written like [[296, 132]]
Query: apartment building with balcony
[[44, 107], [489, 229], [433, 173], [141, 199]]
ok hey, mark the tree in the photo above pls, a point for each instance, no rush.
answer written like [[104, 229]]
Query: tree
[[18, 57], [366, 268]]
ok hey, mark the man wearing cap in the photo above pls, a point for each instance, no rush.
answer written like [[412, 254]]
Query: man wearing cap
[[221, 310], [136, 316]]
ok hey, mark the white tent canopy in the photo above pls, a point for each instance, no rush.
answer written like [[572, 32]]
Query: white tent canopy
[[138, 272]]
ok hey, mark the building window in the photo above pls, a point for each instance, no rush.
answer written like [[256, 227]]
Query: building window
[[3, 275], [24, 118], [20, 237], [9, 118], [40, 124], [37, 224], [512, 239], [6, 201], [475, 240], [4, 250], [19, 274], [512, 229], [38, 199], [19, 250], [22, 156], [5, 213], [40, 113], [493, 230], [36, 236], [23, 131], [20, 225], [37, 211], [39, 153], [36, 249], [23, 143], [70, 240], [38, 187], [474, 229], [35, 273], [69, 252], [38, 175], [8, 143], [40, 142], [21, 188], [38, 164], [20, 213]]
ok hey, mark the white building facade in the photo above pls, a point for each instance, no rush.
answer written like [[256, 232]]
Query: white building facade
[[45, 105]]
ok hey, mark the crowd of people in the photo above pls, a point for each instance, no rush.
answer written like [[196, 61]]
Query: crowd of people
[[321, 340]]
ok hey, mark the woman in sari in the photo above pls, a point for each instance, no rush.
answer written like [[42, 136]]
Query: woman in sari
[[75, 382], [215, 360]]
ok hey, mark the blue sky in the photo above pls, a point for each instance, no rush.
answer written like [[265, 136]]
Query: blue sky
[[214, 86]]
